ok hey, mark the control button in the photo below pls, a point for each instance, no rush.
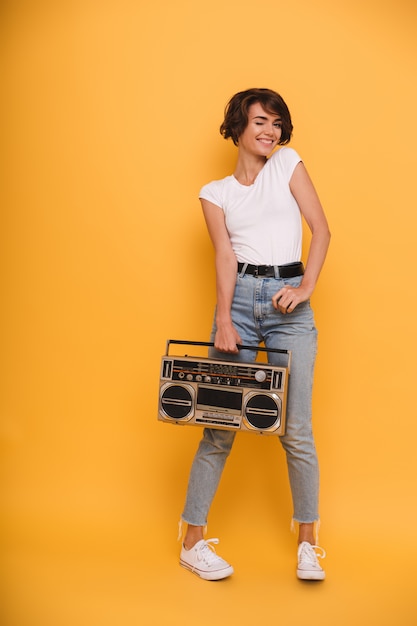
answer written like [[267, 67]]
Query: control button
[[207, 379], [260, 376], [189, 376], [199, 378]]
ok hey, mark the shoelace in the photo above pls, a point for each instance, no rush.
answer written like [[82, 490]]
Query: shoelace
[[207, 553], [309, 554]]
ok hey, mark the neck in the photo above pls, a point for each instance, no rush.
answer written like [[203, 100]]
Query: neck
[[248, 167]]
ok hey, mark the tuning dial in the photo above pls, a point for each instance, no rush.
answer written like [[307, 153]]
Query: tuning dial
[[260, 376]]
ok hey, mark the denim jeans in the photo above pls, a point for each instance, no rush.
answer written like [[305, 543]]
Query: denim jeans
[[256, 320]]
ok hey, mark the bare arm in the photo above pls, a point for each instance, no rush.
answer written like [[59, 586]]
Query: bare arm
[[308, 201], [226, 267]]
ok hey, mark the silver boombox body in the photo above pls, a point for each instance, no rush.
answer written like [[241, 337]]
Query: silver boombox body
[[217, 393]]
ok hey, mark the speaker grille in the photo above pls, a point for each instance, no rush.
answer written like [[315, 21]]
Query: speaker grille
[[263, 411], [177, 401]]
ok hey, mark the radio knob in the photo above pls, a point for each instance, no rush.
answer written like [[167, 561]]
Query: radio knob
[[260, 376], [199, 378], [207, 379], [189, 376]]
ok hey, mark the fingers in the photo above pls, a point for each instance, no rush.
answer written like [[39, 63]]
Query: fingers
[[283, 308], [286, 300], [227, 341], [225, 347]]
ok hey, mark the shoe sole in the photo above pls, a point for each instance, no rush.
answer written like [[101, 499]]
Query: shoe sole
[[218, 575], [310, 575]]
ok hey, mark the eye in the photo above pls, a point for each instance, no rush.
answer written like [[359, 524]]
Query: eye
[[278, 124]]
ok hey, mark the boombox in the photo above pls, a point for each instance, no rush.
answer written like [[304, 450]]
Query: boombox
[[227, 394]]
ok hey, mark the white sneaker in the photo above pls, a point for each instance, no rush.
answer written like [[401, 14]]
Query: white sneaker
[[203, 561], [308, 565]]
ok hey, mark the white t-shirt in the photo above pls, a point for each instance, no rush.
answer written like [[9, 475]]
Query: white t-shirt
[[263, 219]]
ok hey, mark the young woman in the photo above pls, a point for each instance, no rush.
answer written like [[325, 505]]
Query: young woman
[[254, 221]]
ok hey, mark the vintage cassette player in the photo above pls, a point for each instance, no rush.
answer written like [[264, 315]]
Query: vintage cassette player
[[227, 394]]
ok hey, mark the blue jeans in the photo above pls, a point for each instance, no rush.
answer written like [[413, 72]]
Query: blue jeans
[[256, 320]]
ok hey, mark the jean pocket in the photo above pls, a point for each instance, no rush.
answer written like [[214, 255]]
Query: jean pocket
[[293, 282]]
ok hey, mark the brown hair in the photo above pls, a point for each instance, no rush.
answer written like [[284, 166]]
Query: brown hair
[[236, 113]]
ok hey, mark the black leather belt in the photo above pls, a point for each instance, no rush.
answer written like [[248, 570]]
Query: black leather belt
[[271, 271]]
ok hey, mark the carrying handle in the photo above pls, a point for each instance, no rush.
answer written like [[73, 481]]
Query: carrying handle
[[210, 344]]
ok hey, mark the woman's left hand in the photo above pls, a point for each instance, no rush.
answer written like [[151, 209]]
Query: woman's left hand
[[287, 298]]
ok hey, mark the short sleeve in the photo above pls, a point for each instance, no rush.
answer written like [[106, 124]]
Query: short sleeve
[[287, 160], [213, 192]]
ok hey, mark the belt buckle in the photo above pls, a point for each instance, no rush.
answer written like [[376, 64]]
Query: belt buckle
[[256, 271]]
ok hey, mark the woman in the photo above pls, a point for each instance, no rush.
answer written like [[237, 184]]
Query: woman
[[254, 221]]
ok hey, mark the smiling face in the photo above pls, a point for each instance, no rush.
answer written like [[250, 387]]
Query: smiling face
[[262, 133]]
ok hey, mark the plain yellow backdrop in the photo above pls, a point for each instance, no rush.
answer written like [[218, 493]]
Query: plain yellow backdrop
[[110, 116]]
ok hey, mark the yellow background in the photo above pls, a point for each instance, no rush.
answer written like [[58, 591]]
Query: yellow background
[[110, 115]]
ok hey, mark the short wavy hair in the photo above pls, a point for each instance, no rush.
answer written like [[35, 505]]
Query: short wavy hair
[[237, 109]]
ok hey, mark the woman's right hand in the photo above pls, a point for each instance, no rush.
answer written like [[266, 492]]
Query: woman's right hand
[[226, 339]]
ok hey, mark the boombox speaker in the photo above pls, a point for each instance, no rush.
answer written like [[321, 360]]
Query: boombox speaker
[[217, 393]]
